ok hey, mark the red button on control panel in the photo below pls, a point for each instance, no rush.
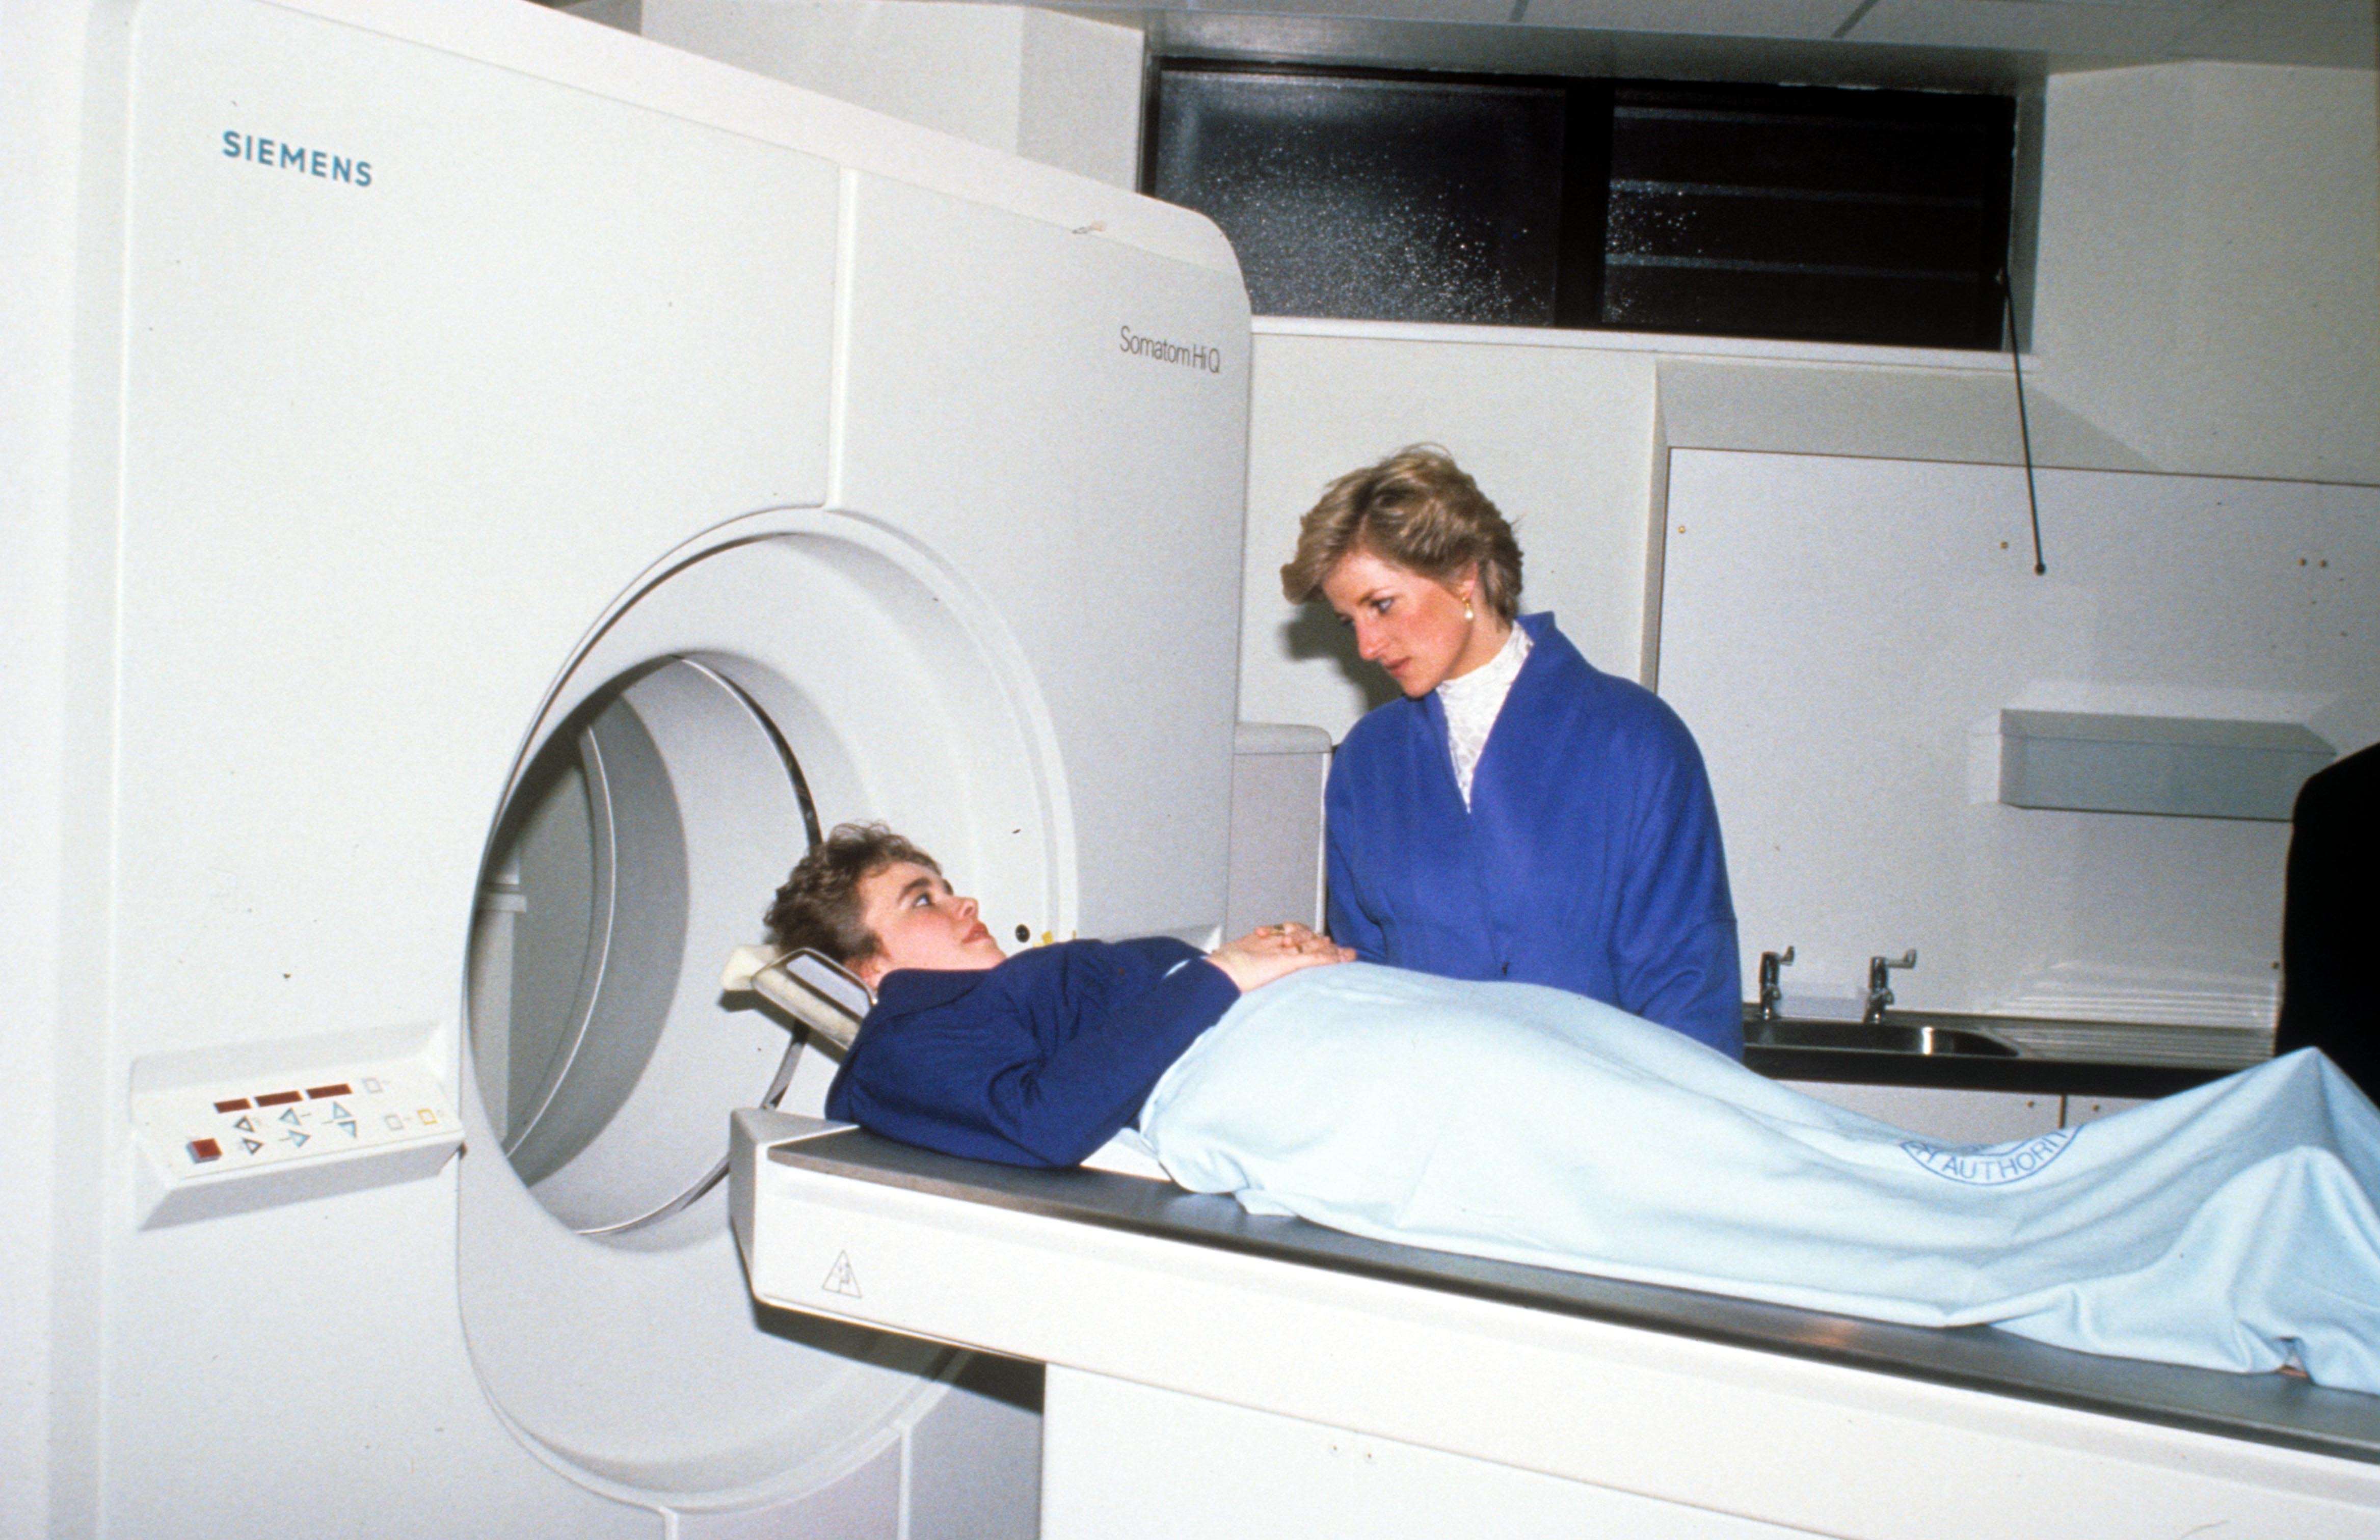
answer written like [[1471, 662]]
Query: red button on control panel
[[203, 1150]]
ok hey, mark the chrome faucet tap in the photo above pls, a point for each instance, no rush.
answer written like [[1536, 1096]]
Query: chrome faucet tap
[[1772, 988], [1879, 983]]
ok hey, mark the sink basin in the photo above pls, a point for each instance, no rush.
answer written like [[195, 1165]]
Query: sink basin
[[1884, 1037]]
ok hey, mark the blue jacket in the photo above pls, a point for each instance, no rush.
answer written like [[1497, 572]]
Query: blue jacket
[[1035, 1063], [1589, 858]]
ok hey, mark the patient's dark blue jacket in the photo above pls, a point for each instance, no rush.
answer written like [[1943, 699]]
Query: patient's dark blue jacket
[[1035, 1063]]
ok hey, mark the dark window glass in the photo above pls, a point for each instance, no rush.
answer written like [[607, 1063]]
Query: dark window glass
[[1754, 211], [1407, 199], [1802, 213]]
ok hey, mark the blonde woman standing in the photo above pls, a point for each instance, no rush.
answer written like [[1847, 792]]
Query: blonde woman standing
[[1519, 813]]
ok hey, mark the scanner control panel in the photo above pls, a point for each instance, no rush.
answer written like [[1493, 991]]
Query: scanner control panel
[[256, 1140]]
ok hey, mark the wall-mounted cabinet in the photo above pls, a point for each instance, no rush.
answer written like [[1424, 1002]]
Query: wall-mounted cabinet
[[2167, 767]]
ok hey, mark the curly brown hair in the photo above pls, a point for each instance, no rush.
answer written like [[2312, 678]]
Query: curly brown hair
[[1417, 510], [818, 909]]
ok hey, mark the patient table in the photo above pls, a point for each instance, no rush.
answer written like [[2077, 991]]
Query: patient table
[[1214, 1372]]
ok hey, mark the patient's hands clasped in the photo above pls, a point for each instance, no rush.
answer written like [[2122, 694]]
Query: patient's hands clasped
[[1271, 952]]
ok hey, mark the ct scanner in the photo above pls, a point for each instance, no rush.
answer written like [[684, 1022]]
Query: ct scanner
[[509, 485]]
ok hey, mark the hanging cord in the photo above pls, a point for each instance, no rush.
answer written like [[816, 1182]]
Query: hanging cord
[[2024, 428]]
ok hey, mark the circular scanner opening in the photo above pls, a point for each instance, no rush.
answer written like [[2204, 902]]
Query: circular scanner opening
[[655, 810], [640, 843]]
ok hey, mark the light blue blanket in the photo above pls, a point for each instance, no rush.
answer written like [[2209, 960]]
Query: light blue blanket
[[2232, 1226]]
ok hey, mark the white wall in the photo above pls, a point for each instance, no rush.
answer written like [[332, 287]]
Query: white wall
[[1844, 634], [1050, 87], [1078, 92], [2209, 289], [2206, 300], [1560, 438]]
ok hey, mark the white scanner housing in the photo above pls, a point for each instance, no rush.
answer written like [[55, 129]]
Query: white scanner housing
[[506, 485]]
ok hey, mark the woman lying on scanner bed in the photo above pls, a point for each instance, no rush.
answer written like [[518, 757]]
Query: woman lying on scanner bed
[[1036, 1059], [2231, 1226]]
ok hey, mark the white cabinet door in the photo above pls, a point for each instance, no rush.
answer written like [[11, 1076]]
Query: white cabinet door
[[2083, 1110], [1953, 1117]]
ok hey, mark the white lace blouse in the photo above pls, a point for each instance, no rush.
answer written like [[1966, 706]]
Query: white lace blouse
[[1473, 702]]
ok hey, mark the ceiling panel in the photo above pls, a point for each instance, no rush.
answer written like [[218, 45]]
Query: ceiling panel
[[1913, 43], [2284, 31], [1455, 11], [2145, 31], [1760, 19]]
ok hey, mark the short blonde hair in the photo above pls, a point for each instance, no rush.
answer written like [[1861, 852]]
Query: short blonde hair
[[1418, 510]]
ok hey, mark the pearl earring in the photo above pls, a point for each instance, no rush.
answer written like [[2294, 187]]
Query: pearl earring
[[1466, 611]]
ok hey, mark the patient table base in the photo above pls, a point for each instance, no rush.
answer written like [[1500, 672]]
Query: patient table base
[[1214, 1372]]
